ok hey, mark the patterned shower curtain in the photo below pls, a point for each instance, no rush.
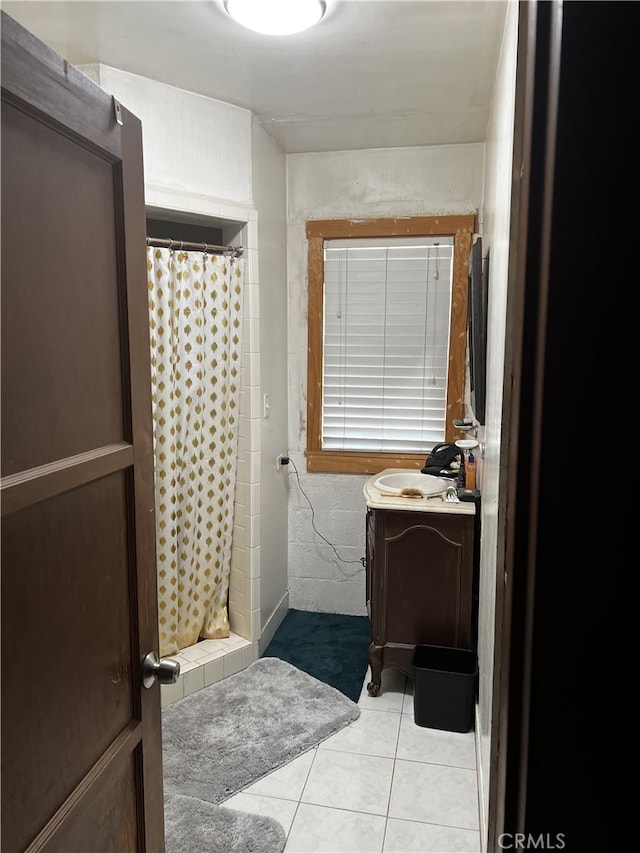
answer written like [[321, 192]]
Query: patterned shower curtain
[[195, 317]]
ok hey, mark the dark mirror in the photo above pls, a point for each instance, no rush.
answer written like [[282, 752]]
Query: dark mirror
[[477, 319]]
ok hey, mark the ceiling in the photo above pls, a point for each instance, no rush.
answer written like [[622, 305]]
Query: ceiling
[[371, 74]]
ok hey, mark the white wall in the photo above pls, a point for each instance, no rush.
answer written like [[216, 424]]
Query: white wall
[[192, 145], [336, 185], [269, 195], [497, 210]]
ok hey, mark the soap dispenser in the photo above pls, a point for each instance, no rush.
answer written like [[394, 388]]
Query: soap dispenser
[[465, 445], [470, 471], [461, 479]]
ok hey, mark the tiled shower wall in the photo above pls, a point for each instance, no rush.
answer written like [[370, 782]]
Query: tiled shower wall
[[244, 586], [209, 661]]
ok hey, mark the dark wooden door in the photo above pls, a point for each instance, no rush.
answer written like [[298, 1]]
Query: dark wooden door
[[81, 739]]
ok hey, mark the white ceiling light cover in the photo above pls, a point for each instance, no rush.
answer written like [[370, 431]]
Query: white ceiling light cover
[[276, 17]]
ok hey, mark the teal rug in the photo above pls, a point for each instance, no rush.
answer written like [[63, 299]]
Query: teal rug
[[329, 646]]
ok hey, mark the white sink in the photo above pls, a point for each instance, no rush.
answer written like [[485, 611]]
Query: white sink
[[399, 480]]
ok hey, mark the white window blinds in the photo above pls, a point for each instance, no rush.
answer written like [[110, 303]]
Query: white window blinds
[[387, 307]]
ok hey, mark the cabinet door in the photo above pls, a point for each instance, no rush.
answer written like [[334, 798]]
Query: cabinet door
[[427, 579]]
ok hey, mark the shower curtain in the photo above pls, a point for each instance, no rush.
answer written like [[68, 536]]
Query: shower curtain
[[195, 319]]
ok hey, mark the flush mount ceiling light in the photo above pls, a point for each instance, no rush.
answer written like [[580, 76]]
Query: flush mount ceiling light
[[276, 17]]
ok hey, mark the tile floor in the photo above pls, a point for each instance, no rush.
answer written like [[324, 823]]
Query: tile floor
[[381, 784]]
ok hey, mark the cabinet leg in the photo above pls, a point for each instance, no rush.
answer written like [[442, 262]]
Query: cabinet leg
[[375, 662]]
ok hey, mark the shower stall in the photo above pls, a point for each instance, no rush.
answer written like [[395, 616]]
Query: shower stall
[[206, 444]]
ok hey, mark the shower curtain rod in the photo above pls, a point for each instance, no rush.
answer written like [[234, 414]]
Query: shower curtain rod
[[207, 248]]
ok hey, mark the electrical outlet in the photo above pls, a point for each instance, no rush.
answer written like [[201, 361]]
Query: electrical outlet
[[281, 460]]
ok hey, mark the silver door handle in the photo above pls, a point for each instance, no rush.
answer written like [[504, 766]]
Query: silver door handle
[[164, 670]]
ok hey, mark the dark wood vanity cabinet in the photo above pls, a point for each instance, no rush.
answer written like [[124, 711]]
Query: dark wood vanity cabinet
[[419, 585]]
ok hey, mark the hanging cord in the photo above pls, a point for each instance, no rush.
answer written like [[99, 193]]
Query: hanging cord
[[362, 560]]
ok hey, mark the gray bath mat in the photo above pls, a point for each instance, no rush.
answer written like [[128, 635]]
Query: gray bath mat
[[223, 738], [195, 826]]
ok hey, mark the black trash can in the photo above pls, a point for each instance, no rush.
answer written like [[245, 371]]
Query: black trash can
[[444, 688]]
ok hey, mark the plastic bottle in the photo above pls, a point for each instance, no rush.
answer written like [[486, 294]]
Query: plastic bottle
[[470, 472]]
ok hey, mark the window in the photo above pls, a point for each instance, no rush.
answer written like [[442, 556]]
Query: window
[[385, 343], [387, 339]]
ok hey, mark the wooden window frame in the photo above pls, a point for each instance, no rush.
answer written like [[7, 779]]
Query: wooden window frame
[[461, 228]]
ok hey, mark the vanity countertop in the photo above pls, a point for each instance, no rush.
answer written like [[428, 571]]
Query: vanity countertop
[[433, 503]]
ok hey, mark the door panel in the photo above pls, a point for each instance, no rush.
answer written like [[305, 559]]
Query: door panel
[[92, 692], [81, 738], [67, 396], [111, 816]]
